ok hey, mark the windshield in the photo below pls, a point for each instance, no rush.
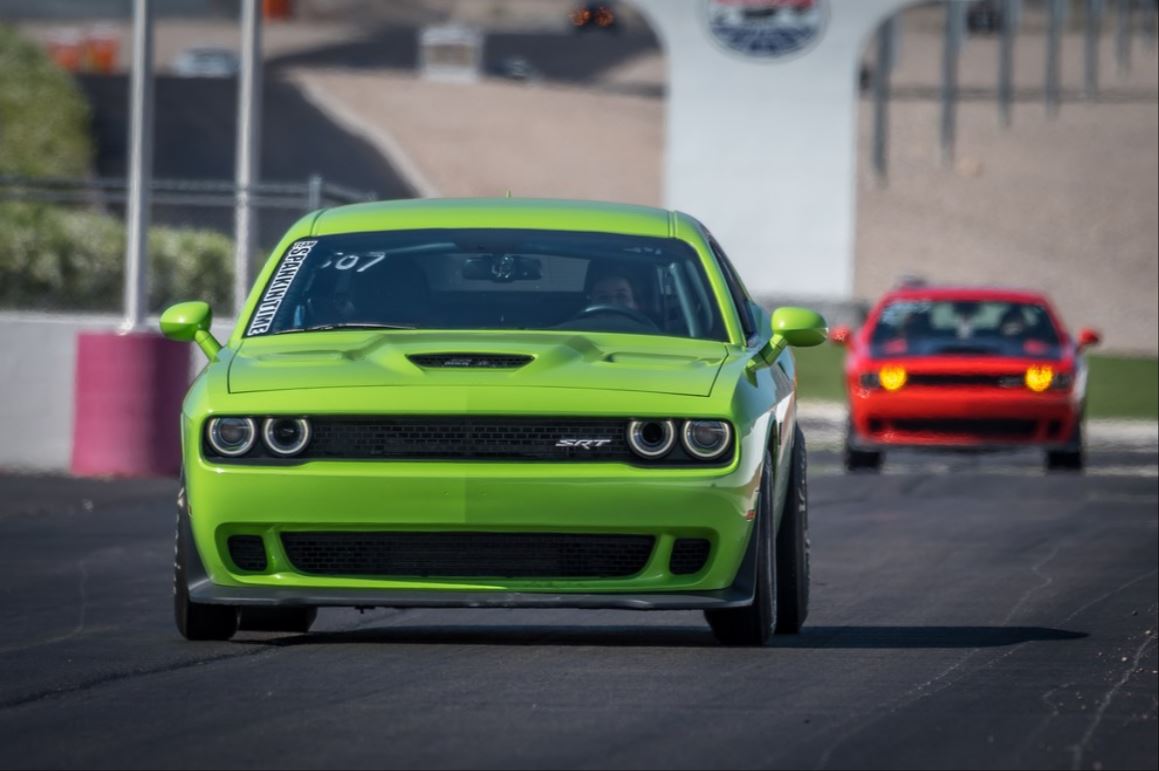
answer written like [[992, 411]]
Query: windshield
[[928, 327], [490, 279]]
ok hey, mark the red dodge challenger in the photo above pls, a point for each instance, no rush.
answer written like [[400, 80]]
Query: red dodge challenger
[[964, 368]]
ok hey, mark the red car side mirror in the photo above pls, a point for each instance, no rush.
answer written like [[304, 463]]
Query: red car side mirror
[[841, 335], [1088, 337]]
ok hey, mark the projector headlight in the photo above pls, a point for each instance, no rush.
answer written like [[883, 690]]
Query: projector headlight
[[706, 439], [651, 439], [231, 436], [286, 436]]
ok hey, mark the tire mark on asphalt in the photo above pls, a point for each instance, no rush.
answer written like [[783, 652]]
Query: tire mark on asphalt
[[1037, 731], [1111, 593], [921, 691], [1077, 750], [116, 677], [83, 574], [266, 647]]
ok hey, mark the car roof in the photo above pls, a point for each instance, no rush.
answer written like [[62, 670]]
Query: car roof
[[522, 213], [977, 293]]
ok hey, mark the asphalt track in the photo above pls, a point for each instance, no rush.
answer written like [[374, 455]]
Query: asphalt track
[[968, 612]]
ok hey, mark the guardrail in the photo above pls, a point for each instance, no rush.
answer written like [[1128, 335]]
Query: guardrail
[[313, 194]]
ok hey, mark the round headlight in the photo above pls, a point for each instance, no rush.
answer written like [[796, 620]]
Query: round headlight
[[651, 438], [706, 439], [1038, 378], [232, 436], [892, 377], [286, 436]]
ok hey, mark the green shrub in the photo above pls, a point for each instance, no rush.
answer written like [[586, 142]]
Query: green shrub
[[61, 259], [44, 118]]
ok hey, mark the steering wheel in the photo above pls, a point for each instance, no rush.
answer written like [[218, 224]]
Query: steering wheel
[[634, 315]]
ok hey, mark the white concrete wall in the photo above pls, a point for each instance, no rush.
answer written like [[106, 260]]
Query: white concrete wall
[[37, 366], [763, 150]]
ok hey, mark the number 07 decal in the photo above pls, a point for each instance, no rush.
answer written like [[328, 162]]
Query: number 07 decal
[[351, 262]]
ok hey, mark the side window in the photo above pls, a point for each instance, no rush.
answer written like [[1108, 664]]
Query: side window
[[740, 297]]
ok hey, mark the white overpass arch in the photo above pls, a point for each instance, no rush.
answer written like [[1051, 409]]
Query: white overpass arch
[[763, 147]]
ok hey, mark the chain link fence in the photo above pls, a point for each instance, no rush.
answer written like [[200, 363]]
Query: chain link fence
[[67, 237]]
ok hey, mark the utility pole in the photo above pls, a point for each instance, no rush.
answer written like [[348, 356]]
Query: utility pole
[[248, 167], [136, 293]]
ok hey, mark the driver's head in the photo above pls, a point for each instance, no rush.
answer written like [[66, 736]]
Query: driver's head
[[614, 290], [1012, 323]]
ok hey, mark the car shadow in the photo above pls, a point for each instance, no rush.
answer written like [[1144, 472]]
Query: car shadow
[[835, 637]]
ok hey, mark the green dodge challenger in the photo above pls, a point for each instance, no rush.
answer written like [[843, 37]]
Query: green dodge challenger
[[494, 403]]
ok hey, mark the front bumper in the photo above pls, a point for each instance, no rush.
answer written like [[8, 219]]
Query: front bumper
[[475, 497], [961, 418]]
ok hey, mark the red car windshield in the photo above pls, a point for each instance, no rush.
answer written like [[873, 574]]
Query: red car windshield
[[916, 327]]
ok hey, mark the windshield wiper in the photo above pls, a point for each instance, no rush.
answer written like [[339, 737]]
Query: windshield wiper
[[359, 325]]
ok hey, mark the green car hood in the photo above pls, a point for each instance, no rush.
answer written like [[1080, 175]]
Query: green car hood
[[346, 358]]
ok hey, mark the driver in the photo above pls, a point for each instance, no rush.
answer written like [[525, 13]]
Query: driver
[[612, 289], [613, 303]]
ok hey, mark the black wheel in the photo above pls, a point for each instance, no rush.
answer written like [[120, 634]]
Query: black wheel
[[859, 460], [753, 624], [793, 546], [1072, 458], [277, 619], [195, 621]]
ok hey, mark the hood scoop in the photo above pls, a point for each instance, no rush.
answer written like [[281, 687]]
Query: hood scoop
[[470, 360]]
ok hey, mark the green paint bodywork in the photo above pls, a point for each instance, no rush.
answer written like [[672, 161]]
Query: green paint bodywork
[[749, 382]]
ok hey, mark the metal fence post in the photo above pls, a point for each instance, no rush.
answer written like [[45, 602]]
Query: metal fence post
[[1123, 35], [1051, 89], [248, 148], [955, 26], [314, 193], [886, 41], [1092, 31], [136, 296], [1006, 61]]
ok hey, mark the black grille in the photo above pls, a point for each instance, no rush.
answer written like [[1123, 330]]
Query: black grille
[[247, 552], [468, 439], [470, 360], [986, 428], [964, 379], [688, 556], [468, 555]]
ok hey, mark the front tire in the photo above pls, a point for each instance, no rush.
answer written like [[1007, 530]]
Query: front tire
[[793, 546], [752, 625], [859, 460], [1072, 458], [195, 621]]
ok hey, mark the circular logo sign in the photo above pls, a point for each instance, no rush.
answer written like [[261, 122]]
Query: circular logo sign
[[766, 29]]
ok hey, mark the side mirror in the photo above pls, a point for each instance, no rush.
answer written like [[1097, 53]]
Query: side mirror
[[1088, 337], [798, 327], [841, 335], [189, 323]]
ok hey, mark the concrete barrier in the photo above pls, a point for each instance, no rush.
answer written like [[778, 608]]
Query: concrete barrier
[[37, 373]]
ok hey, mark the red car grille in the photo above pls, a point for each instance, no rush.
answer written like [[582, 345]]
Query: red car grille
[[958, 379], [981, 428]]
